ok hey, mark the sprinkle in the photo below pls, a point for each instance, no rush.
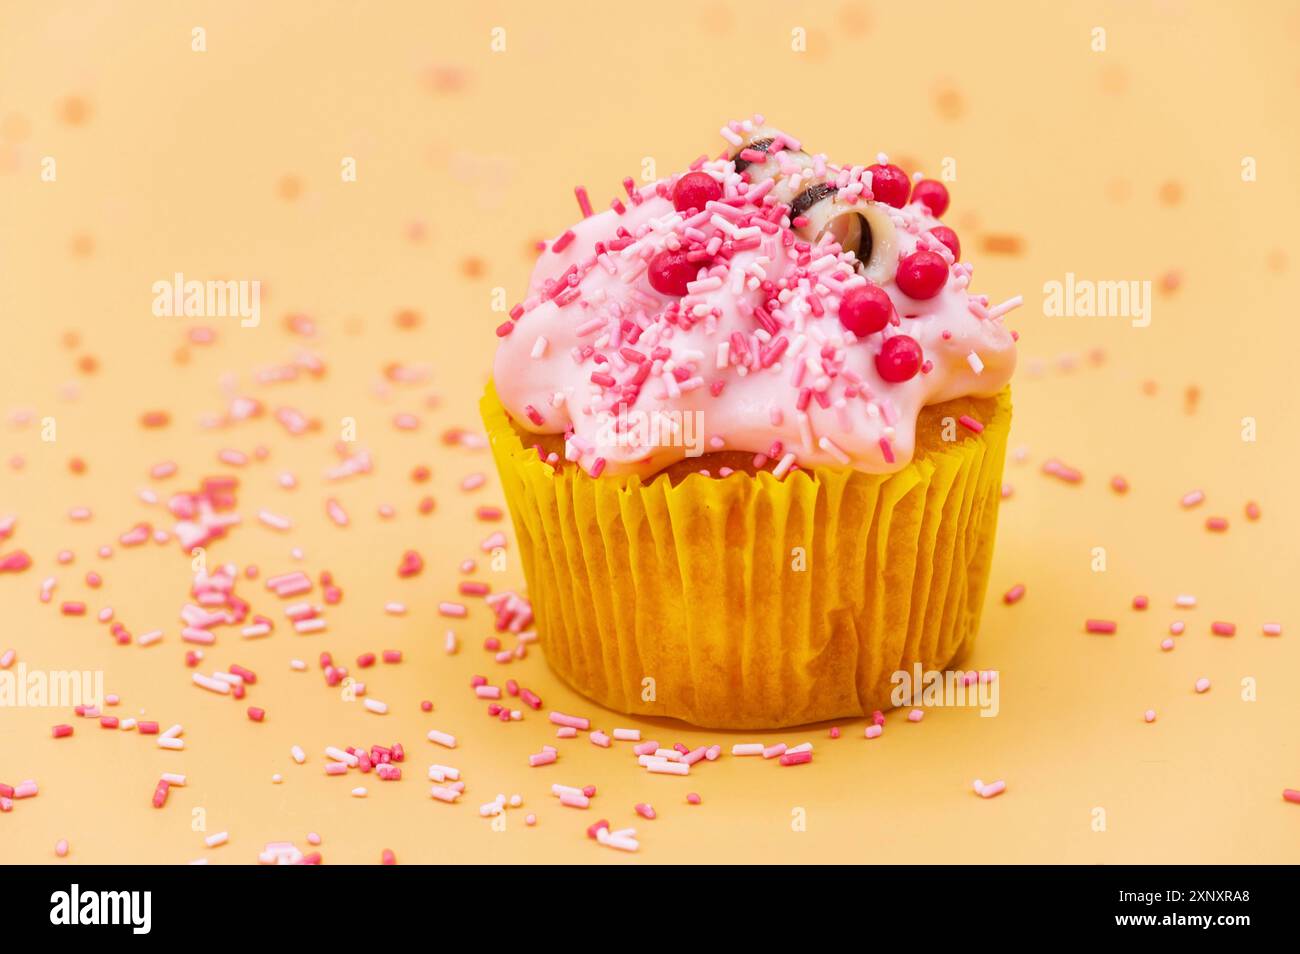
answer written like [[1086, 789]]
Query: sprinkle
[[627, 735], [210, 683], [874, 731], [1192, 498], [1055, 468], [1014, 595], [1216, 524], [573, 722], [747, 748], [664, 767], [1202, 684], [916, 715], [1272, 629], [991, 790], [442, 738], [1100, 626], [1140, 602], [220, 838], [1185, 600], [974, 361], [1149, 715], [1291, 795]]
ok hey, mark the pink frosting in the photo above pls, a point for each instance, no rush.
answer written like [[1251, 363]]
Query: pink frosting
[[754, 357]]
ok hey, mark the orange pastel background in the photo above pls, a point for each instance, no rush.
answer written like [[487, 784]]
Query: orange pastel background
[[1122, 164]]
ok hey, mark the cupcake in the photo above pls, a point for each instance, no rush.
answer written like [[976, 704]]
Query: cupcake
[[750, 423]]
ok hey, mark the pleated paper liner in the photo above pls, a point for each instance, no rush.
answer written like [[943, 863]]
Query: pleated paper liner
[[750, 602]]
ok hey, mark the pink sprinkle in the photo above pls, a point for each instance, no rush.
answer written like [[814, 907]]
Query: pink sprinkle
[[61, 848], [561, 243], [573, 722], [15, 562], [874, 731], [1061, 471], [542, 758], [73, 609], [1223, 629], [584, 203], [645, 811], [796, 758], [1119, 484], [1202, 684], [1166, 644], [1140, 602], [455, 610], [1177, 627], [1291, 795], [916, 715], [62, 731], [1270, 629], [1100, 626], [1149, 715], [1252, 510], [970, 424], [991, 790], [835, 732], [1192, 498], [693, 798], [1014, 595]]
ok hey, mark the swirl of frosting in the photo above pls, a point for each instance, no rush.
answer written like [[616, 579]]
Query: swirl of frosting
[[709, 313]]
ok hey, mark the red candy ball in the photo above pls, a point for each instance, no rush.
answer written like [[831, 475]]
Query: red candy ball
[[669, 272], [949, 238], [694, 191], [899, 359], [890, 185], [922, 275], [934, 195], [865, 310]]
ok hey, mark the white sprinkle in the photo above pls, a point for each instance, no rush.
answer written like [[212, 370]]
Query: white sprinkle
[[442, 738], [975, 363]]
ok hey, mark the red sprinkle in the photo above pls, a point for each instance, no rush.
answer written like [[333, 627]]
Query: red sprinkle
[[1223, 629], [1014, 595], [1100, 626]]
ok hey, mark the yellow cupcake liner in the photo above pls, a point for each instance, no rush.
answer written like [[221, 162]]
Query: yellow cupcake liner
[[750, 602]]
